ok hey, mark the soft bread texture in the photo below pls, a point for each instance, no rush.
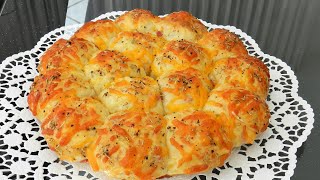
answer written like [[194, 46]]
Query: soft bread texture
[[131, 145], [144, 97]]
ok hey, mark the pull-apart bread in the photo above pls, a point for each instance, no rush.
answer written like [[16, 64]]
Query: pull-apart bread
[[144, 97]]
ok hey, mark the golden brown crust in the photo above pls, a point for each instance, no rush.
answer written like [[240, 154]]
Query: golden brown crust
[[131, 145], [100, 33], [245, 72], [57, 47]]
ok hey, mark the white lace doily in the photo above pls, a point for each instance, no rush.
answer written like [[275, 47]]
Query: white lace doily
[[24, 153]]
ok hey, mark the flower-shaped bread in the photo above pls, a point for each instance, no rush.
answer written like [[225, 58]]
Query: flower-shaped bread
[[144, 97]]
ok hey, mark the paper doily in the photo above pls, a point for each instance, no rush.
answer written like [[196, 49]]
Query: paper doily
[[24, 153]]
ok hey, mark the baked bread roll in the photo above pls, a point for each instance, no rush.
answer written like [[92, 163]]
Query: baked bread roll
[[100, 33], [131, 145], [139, 47], [181, 26], [133, 94], [72, 125], [180, 55], [138, 20], [183, 90], [70, 55], [108, 66], [246, 115], [244, 72], [221, 43], [196, 142], [55, 86]]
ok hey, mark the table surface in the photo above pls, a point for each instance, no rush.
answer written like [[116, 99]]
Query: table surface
[[287, 29]]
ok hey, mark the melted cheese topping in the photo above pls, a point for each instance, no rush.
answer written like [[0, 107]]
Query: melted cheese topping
[[247, 114], [181, 25], [180, 55], [71, 127], [131, 145], [70, 55], [196, 142], [109, 66], [54, 87], [221, 43], [133, 94], [100, 32], [243, 72], [182, 90]]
